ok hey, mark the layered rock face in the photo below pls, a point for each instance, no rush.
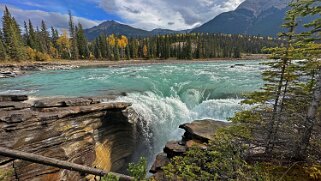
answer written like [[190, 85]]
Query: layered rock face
[[79, 130], [196, 134]]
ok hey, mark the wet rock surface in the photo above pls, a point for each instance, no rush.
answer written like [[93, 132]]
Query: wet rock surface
[[197, 134], [79, 130], [202, 130]]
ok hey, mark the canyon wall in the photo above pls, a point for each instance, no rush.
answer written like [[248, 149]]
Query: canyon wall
[[79, 130]]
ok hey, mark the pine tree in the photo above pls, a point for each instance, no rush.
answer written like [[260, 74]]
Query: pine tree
[[44, 38], [310, 47], [32, 42], [278, 78], [3, 53], [54, 36], [73, 35], [26, 34], [82, 43], [12, 36]]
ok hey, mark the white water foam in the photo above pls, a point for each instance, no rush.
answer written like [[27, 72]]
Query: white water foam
[[163, 115]]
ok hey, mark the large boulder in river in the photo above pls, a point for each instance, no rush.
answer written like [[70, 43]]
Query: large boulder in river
[[202, 130]]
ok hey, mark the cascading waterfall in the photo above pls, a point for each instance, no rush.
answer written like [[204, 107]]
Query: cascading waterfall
[[163, 115], [165, 96]]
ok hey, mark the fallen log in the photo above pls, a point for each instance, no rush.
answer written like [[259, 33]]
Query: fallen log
[[59, 163]]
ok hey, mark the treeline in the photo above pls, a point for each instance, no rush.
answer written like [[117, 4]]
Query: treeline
[[179, 46], [37, 43]]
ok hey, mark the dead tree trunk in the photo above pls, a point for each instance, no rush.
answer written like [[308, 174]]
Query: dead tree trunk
[[302, 147], [58, 163]]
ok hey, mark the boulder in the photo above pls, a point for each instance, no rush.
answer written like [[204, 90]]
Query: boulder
[[161, 161], [195, 143], [197, 134], [202, 130], [174, 148]]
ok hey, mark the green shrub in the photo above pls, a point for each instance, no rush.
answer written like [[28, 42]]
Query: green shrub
[[138, 170], [109, 177], [222, 160], [6, 174]]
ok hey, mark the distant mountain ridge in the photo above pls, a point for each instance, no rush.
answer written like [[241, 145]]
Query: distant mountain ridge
[[113, 27], [253, 17]]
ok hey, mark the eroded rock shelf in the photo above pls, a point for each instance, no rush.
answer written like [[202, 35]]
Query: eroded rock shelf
[[83, 130]]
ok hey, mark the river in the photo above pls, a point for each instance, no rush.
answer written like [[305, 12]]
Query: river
[[165, 95]]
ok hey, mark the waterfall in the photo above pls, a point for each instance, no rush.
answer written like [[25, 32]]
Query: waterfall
[[163, 115]]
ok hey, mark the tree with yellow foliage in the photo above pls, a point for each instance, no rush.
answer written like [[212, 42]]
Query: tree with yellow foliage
[[111, 40], [122, 44], [64, 45]]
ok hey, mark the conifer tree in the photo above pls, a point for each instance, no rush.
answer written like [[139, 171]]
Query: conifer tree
[[3, 53], [279, 77], [44, 38], [82, 43], [310, 47], [32, 41], [12, 36], [73, 35], [26, 34]]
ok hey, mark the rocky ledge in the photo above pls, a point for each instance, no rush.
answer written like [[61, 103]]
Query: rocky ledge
[[197, 133], [81, 130], [7, 71]]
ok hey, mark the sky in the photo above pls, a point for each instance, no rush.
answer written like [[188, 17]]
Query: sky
[[144, 14]]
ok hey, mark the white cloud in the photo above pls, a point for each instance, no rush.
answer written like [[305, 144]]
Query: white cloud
[[54, 19], [171, 14]]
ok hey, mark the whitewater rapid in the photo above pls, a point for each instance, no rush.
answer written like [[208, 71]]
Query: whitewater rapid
[[163, 115]]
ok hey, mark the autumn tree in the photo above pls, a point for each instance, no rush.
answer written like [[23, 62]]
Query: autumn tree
[[122, 44], [64, 45]]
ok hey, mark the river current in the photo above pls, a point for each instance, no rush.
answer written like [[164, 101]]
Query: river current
[[164, 95]]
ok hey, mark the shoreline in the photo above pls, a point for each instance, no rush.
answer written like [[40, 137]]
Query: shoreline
[[122, 63], [15, 69]]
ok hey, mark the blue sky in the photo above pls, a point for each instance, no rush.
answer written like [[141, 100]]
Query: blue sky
[[145, 14]]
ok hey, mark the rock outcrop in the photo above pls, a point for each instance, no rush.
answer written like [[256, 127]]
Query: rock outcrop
[[11, 70], [197, 133], [79, 130]]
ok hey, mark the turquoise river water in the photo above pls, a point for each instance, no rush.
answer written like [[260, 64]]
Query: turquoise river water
[[165, 95]]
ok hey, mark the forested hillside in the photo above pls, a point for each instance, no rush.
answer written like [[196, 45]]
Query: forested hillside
[[34, 43]]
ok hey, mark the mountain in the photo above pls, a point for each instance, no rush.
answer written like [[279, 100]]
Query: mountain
[[160, 31], [113, 27], [254, 17]]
